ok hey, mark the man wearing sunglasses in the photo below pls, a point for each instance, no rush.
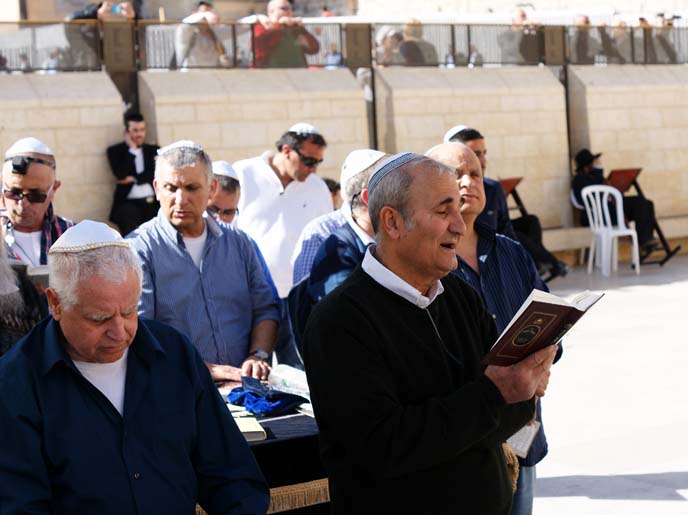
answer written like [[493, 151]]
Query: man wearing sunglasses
[[29, 184], [280, 194]]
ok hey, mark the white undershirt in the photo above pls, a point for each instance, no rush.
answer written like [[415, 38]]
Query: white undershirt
[[195, 246], [109, 378], [139, 190], [28, 246]]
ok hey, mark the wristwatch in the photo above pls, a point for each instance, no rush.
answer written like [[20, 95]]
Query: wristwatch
[[260, 354]]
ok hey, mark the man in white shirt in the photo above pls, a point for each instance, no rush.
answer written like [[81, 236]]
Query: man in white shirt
[[280, 194], [133, 165], [29, 184]]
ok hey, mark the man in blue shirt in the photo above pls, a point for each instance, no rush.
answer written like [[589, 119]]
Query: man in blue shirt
[[502, 273], [105, 413], [203, 277]]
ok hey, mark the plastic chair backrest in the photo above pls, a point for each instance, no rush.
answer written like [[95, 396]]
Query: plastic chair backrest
[[597, 206]]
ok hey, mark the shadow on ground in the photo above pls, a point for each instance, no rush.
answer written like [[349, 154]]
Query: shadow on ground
[[656, 487]]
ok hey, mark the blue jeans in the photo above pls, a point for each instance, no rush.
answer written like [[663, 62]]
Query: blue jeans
[[525, 491]]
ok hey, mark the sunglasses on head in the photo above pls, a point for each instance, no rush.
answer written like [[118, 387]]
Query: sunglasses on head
[[216, 211], [20, 164], [35, 197], [308, 161]]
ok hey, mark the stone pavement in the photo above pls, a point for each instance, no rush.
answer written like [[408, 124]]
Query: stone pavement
[[616, 409]]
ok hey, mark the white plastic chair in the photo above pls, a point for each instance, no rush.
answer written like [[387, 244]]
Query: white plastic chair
[[606, 234]]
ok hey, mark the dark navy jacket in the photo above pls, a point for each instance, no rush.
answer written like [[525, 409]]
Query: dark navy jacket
[[496, 212], [507, 276], [65, 449]]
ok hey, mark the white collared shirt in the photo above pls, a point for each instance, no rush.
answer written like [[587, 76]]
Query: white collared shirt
[[139, 190], [388, 279]]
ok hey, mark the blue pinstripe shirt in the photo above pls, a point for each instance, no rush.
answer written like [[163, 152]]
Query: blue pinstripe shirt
[[312, 236], [506, 277], [217, 305]]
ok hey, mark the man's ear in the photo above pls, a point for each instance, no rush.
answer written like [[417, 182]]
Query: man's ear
[[214, 184], [286, 148], [364, 196], [56, 186], [155, 188], [391, 223], [54, 303]]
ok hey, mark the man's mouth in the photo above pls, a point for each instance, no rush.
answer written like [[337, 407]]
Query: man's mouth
[[448, 246]]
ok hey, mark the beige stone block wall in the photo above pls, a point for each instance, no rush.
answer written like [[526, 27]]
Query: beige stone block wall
[[638, 117], [78, 115], [520, 111], [237, 114]]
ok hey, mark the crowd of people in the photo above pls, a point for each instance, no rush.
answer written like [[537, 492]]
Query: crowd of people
[[108, 383]]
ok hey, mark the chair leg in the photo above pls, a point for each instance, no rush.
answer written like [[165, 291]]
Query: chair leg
[[606, 253], [615, 254], [591, 255], [636, 252]]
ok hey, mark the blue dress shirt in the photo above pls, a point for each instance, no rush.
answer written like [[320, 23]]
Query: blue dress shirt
[[507, 276], [217, 305], [496, 212], [65, 449]]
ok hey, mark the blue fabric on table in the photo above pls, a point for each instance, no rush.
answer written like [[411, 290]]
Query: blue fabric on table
[[261, 400]]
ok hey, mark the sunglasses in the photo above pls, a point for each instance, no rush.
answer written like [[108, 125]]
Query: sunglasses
[[310, 162], [216, 211], [20, 164], [35, 197]]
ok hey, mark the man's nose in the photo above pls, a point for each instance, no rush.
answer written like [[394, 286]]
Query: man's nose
[[116, 330], [457, 226]]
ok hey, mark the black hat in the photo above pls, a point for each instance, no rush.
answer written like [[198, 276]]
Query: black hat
[[584, 157]]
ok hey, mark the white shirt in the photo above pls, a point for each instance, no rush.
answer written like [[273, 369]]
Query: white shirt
[[274, 216], [195, 246], [28, 246], [109, 378], [388, 279], [139, 190]]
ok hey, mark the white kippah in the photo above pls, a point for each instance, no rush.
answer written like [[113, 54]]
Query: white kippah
[[88, 235], [304, 129], [183, 143], [453, 132], [356, 162], [225, 169], [28, 145], [387, 166]]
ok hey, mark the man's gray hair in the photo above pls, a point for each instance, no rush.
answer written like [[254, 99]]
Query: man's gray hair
[[395, 188], [182, 155], [356, 185], [69, 269]]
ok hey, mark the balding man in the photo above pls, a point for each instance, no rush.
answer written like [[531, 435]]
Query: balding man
[[280, 40], [502, 273], [103, 412], [203, 277], [409, 419], [29, 184]]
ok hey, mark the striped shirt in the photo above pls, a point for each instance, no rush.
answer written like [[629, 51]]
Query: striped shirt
[[53, 227], [312, 236]]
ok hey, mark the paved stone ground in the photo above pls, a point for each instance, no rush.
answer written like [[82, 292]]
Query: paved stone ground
[[616, 411]]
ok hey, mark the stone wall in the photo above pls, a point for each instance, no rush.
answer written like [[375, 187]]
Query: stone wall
[[237, 114], [520, 111], [78, 115], [638, 117]]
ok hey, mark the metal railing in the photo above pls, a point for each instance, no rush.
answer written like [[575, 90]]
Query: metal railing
[[85, 45]]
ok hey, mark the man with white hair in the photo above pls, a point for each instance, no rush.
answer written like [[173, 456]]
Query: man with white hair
[[343, 250], [103, 412], [20, 305], [203, 277], [280, 194], [318, 230], [29, 184], [410, 420]]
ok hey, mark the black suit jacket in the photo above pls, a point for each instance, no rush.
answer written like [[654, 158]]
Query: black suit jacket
[[122, 165]]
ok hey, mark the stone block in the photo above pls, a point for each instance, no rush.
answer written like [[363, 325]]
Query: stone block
[[220, 112], [101, 116], [174, 114], [53, 118], [206, 134]]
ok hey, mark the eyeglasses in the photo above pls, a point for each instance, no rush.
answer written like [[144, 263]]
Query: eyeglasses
[[35, 197], [216, 211], [20, 164], [310, 162]]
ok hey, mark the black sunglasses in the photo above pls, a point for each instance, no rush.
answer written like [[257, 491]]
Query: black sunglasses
[[310, 162], [216, 211], [20, 164], [35, 197]]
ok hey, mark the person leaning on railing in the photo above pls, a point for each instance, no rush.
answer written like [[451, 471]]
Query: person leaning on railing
[[280, 40]]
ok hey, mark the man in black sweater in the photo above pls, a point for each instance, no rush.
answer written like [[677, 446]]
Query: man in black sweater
[[410, 421]]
